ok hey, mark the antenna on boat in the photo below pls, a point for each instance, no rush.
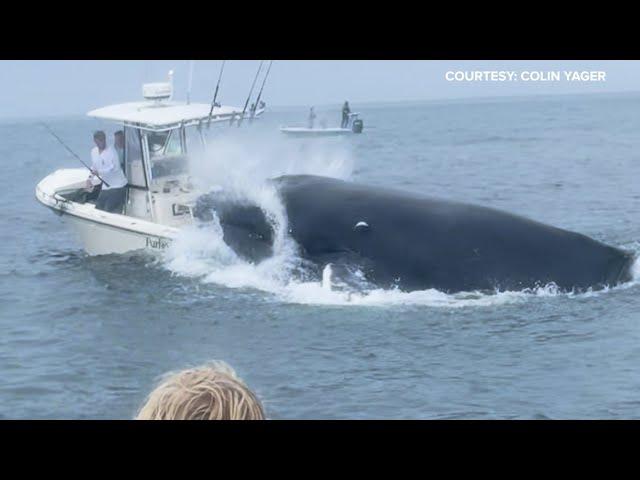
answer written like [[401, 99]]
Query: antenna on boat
[[264, 80], [250, 92], [72, 152], [191, 62], [215, 95], [171, 83]]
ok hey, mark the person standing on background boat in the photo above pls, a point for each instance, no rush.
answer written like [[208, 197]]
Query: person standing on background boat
[[312, 117], [345, 114], [106, 164], [118, 143]]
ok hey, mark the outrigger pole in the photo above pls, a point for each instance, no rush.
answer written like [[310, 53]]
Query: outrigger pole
[[215, 95], [264, 80], [73, 153], [250, 92], [191, 62]]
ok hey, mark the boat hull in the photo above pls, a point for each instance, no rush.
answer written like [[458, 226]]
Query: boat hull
[[99, 232], [103, 239]]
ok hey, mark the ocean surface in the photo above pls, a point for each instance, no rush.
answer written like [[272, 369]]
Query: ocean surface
[[87, 337]]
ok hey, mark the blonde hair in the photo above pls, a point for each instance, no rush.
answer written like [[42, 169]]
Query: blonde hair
[[209, 392]]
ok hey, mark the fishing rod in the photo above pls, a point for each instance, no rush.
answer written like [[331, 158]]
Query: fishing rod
[[264, 80], [190, 82], [250, 92], [215, 95], [72, 152]]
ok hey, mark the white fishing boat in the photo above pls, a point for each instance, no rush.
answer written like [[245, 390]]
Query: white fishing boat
[[354, 126], [160, 193]]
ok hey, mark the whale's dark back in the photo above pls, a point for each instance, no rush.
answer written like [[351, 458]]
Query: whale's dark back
[[418, 242]]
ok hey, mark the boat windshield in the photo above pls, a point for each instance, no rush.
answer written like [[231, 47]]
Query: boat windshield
[[195, 143], [167, 153], [164, 143], [134, 169]]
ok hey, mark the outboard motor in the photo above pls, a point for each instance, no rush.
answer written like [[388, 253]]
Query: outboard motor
[[357, 126]]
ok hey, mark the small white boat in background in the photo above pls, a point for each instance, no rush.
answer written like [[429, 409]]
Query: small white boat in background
[[354, 126], [159, 136]]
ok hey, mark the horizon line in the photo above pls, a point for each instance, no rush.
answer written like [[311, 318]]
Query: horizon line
[[381, 102]]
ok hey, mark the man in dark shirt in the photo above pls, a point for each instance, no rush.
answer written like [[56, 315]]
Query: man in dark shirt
[[345, 114], [312, 117]]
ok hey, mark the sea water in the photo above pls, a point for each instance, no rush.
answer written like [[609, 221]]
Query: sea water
[[86, 337]]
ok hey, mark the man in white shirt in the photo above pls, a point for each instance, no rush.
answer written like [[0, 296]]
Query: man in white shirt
[[118, 144], [106, 164]]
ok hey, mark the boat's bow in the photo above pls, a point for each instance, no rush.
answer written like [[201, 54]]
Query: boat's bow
[[50, 189], [100, 232]]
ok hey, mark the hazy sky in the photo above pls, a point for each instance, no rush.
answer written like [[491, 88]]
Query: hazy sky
[[31, 88]]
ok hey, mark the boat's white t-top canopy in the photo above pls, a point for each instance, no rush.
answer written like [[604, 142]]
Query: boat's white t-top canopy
[[151, 115]]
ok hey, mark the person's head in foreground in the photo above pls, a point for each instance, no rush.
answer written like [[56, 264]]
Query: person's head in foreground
[[209, 392]]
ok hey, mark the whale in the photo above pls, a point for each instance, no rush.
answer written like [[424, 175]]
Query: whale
[[405, 240]]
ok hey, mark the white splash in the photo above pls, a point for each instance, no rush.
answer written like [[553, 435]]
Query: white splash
[[235, 159], [201, 253]]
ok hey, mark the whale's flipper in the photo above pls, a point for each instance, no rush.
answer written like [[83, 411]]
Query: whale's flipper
[[344, 277]]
